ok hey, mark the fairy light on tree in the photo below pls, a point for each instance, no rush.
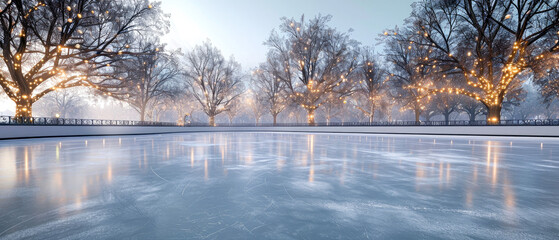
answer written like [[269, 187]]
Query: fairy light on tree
[[319, 61], [411, 67], [445, 104], [371, 86], [53, 45], [490, 44]]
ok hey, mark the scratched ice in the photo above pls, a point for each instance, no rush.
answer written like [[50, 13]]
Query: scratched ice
[[279, 186]]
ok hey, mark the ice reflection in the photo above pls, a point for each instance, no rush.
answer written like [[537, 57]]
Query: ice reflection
[[310, 142], [262, 180], [192, 157], [109, 173], [508, 192], [206, 169], [26, 163], [492, 162]]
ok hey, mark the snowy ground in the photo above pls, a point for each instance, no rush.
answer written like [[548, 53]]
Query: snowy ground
[[279, 186]]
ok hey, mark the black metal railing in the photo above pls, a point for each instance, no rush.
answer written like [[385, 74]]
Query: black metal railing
[[528, 122], [45, 121]]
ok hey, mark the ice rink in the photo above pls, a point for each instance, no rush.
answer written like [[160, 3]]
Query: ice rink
[[279, 186]]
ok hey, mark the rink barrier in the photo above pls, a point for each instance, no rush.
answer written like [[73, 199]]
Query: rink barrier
[[36, 131]]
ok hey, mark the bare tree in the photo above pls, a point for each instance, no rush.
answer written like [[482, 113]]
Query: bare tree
[[318, 61], [157, 110], [446, 104], [472, 108], [267, 82], [234, 109], [148, 78], [548, 83], [212, 80], [296, 113], [488, 43], [371, 77], [533, 106], [256, 101], [55, 44], [184, 104], [551, 110], [429, 110], [333, 106], [62, 103]]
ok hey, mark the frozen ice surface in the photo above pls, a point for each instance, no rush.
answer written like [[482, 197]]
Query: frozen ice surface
[[279, 186]]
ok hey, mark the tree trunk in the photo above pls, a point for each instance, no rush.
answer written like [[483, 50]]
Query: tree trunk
[[446, 118], [142, 114], [417, 112], [372, 113], [472, 118], [24, 108], [310, 117], [494, 114], [212, 121], [275, 119]]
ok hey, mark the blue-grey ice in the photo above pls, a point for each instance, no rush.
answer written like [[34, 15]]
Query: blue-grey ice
[[279, 186]]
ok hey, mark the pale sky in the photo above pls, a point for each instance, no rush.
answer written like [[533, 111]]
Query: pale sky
[[239, 27]]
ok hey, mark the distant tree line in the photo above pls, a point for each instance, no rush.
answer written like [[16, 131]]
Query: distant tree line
[[457, 58]]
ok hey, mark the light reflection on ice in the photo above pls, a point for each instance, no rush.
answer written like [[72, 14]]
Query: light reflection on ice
[[266, 185]]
